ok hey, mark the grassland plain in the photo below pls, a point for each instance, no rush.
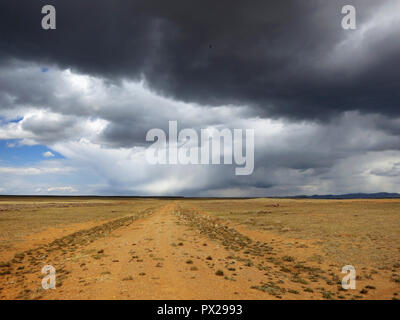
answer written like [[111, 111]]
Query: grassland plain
[[143, 248]]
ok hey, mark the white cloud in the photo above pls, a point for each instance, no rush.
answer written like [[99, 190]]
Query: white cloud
[[104, 154], [48, 154], [33, 170], [62, 189]]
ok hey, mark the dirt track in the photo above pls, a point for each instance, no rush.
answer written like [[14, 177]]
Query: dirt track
[[168, 254]]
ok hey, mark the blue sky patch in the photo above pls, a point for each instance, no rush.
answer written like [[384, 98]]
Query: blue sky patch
[[12, 154], [4, 121]]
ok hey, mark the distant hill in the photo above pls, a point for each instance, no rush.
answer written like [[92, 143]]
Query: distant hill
[[380, 195]]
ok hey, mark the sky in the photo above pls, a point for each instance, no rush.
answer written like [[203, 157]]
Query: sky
[[76, 102]]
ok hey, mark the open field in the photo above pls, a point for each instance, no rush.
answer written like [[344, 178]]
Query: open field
[[127, 248]]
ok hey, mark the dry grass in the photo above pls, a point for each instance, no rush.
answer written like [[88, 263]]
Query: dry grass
[[355, 232], [22, 217], [280, 248]]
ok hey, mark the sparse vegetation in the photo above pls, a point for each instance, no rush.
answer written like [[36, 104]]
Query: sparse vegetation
[[327, 295], [270, 288], [288, 258], [249, 245], [219, 272]]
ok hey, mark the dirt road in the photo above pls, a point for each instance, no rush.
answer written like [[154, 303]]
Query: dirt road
[[166, 254]]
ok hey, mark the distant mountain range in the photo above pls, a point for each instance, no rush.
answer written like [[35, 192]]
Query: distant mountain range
[[380, 195]]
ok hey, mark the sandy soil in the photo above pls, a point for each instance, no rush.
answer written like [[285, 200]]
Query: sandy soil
[[175, 253]]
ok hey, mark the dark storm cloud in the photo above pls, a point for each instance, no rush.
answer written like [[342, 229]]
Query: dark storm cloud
[[393, 171], [238, 64], [278, 57]]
